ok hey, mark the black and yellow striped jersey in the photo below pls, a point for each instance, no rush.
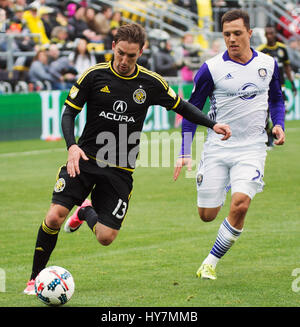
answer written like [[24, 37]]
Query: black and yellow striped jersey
[[116, 109], [279, 52]]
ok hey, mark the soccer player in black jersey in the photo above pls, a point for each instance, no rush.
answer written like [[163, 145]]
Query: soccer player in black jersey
[[117, 95], [277, 50]]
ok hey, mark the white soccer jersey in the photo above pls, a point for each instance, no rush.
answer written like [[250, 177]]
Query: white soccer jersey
[[240, 95]]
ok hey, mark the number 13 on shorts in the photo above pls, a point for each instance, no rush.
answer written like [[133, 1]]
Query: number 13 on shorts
[[120, 209]]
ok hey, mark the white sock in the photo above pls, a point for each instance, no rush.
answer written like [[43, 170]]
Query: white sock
[[211, 260], [227, 235]]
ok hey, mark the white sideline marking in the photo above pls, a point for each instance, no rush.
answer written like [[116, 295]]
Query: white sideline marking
[[36, 152], [29, 153]]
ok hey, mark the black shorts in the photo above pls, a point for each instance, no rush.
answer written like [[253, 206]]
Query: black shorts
[[110, 190]]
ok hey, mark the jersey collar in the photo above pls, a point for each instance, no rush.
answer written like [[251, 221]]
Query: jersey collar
[[227, 58], [134, 75], [272, 47]]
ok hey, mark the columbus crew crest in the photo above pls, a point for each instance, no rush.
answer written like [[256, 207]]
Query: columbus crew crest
[[139, 96], [59, 185]]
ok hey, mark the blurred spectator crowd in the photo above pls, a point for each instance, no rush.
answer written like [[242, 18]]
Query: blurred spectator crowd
[[54, 42]]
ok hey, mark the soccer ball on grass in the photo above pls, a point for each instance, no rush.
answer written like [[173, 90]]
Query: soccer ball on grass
[[54, 285]]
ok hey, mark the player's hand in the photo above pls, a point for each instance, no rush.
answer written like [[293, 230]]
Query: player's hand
[[279, 134], [222, 129], [75, 153], [180, 162]]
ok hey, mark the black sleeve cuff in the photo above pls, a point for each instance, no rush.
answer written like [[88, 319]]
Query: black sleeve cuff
[[194, 115]]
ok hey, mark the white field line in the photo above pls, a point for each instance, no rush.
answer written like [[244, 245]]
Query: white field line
[[37, 152], [42, 151], [30, 153], [110, 252]]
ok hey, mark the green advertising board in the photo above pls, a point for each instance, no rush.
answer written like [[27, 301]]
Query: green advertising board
[[38, 115]]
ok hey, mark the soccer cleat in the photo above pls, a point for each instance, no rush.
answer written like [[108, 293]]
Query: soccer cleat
[[206, 272], [73, 223], [29, 290]]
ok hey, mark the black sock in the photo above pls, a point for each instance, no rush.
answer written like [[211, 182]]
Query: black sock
[[89, 215], [45, 244]]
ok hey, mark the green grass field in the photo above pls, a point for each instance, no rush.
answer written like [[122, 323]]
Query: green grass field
[[162, 242]]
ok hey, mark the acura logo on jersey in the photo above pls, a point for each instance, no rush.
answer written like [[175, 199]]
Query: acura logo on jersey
[[120, 107], [117, 117]]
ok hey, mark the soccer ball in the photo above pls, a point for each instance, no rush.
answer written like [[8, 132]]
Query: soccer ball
[[54, 285]]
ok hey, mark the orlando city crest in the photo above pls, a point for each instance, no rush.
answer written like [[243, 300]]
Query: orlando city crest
[[262, 72], [199, 179]]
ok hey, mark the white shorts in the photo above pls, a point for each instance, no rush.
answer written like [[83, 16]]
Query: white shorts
[[241, 169]]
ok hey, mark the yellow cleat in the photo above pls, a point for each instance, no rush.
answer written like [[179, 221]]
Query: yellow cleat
[[207, 272]]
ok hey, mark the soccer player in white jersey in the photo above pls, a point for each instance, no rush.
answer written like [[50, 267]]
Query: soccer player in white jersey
[[241, 84]]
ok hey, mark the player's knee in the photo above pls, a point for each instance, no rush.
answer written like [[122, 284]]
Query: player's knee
[[206, 214], [105, 241], [53, 222], [206, 218], [240, 201], [55, 217], [105, 238], [240, 208]]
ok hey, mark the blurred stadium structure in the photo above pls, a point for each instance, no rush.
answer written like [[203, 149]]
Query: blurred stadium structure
[[173, 17], [25, 114]]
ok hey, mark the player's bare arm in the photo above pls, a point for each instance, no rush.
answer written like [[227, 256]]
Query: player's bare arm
[[180, 162], [193, 114], [187, 161]]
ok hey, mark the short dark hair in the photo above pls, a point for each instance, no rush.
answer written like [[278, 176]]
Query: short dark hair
[[235, 14], [132, 33], [270, 26]]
